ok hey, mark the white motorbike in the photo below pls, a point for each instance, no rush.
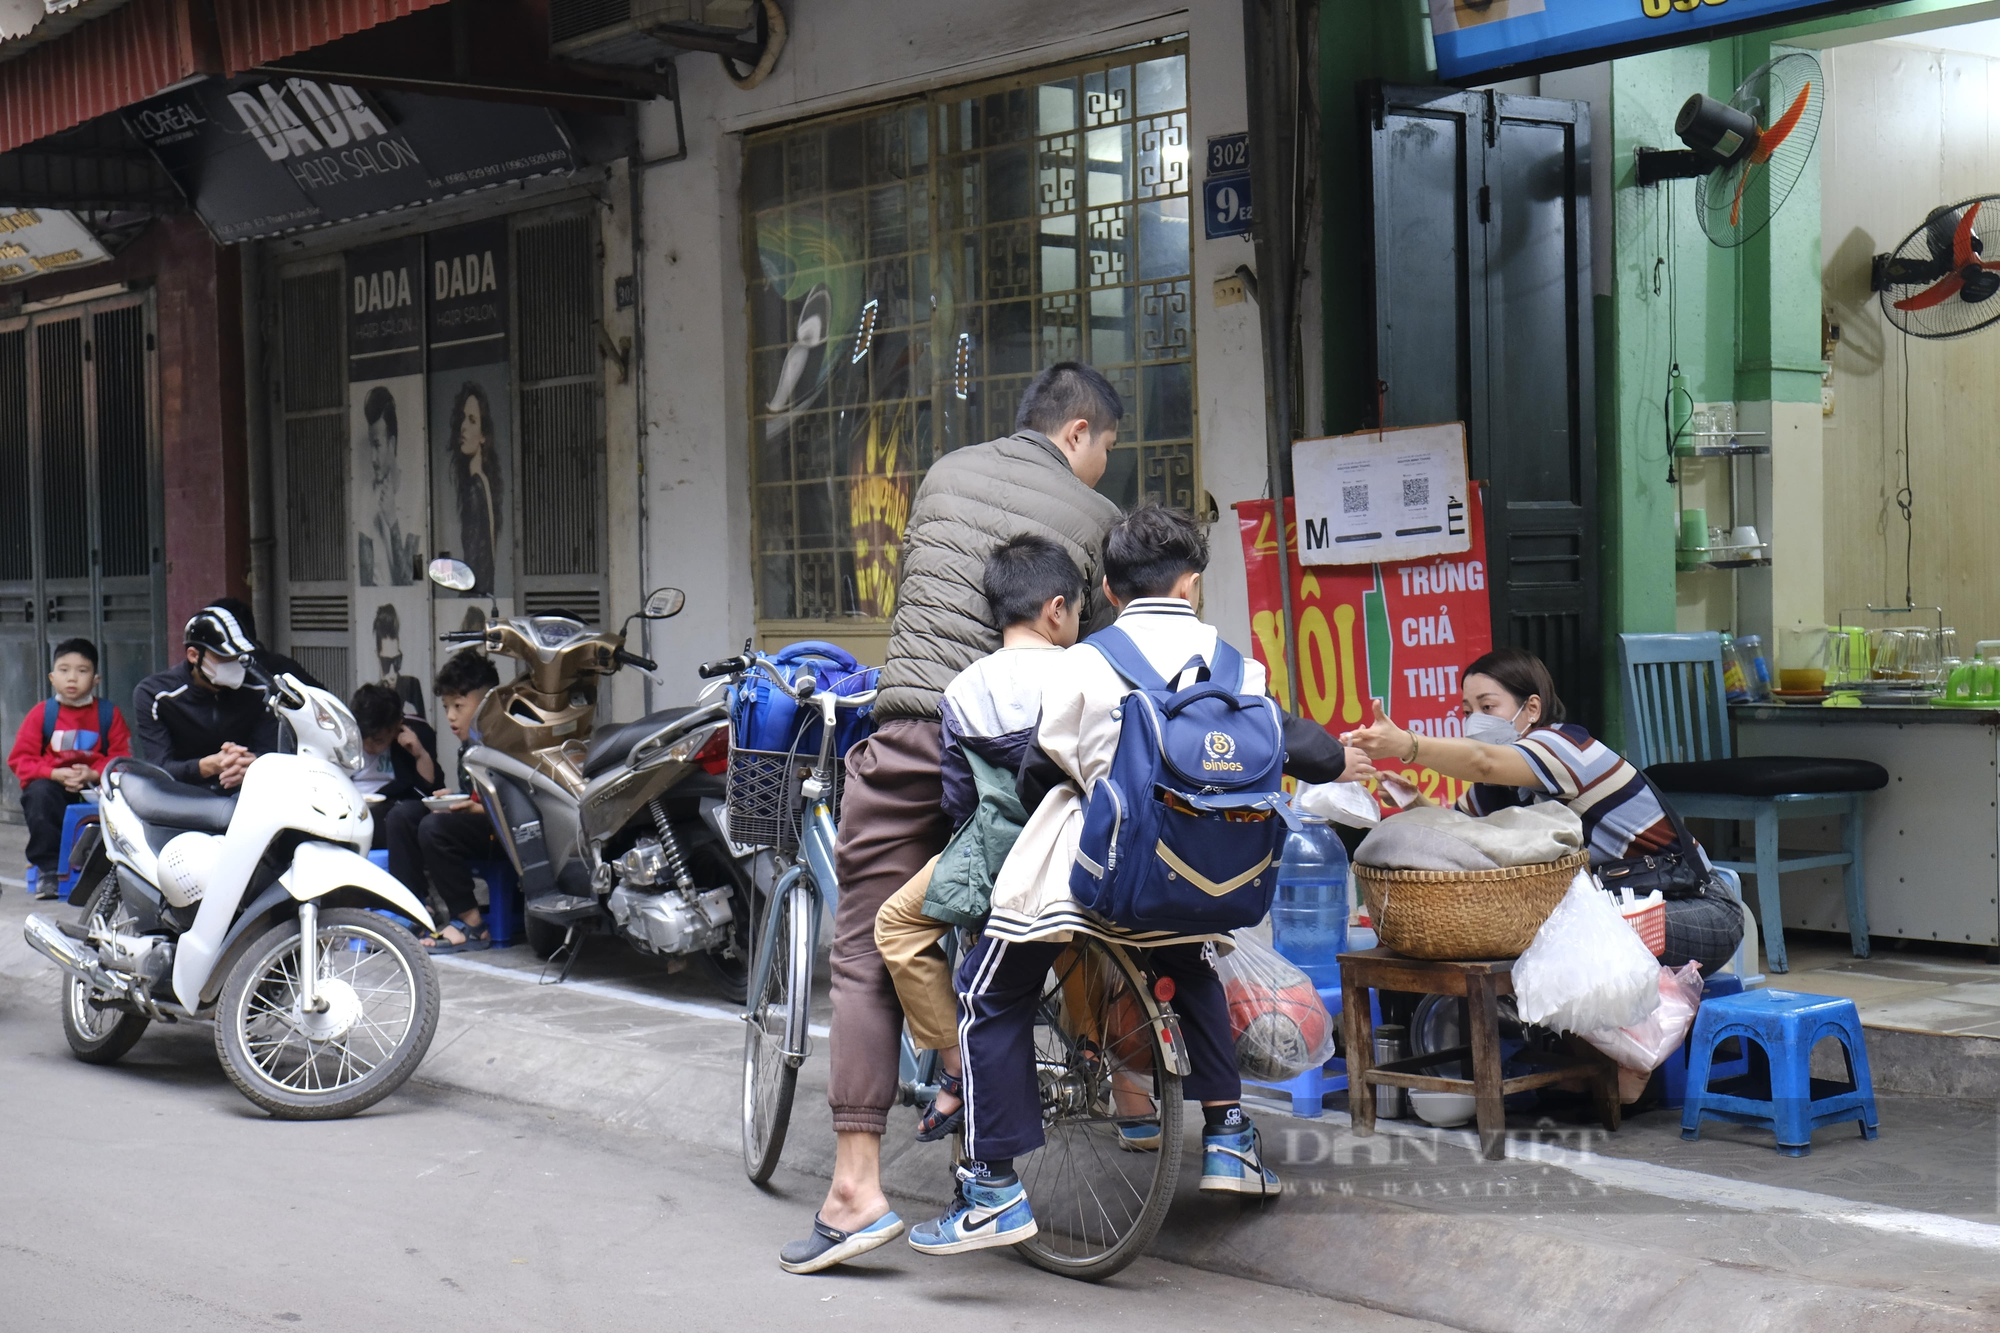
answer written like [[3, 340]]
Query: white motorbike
[[254, 910]]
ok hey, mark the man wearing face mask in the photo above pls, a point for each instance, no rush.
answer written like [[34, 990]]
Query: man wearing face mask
[[202, 721]]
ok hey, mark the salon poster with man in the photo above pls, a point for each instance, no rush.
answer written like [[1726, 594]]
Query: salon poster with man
[[472, 487], [389, 480]]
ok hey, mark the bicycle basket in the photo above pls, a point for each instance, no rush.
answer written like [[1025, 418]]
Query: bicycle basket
[[763, 796]]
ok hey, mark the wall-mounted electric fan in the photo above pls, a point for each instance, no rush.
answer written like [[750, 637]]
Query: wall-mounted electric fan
[[1765, 131], [1937, 284]]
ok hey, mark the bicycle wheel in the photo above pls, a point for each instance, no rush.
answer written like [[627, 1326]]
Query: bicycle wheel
[[770, 1076], [1098, 1204]]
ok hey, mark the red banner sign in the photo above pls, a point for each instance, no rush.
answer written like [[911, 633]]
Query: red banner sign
[[1401, 633]]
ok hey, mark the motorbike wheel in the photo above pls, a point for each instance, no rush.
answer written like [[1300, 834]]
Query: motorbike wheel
[[728, 968], [382, 994], [100, 1035], [544, 937]]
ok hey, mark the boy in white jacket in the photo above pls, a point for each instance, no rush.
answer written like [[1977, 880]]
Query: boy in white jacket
[[1153, 563]]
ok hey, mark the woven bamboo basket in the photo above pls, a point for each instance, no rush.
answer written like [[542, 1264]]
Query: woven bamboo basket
[[1465, 914]]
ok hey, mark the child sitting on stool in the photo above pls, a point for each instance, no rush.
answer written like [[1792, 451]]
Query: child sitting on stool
[[60, 752]]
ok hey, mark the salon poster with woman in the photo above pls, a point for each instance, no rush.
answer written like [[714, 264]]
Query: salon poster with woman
[[389, 480], [470, 396]]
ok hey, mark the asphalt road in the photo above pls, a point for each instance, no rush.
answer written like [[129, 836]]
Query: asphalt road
[[152, 1196]]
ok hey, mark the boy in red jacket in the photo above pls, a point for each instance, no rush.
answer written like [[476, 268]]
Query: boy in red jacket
[[60, 751]]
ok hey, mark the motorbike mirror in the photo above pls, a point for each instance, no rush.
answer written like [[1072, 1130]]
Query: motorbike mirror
[[453, 574], [663, 603]]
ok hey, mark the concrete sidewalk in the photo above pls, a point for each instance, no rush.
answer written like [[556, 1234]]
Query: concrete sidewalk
[[1577, 1229]]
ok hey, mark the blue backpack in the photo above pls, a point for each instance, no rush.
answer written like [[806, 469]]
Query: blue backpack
[[1185, 833], [763, 717]]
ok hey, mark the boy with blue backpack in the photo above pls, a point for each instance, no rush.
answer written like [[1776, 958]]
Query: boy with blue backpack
[[1156, 821], [59, 752]]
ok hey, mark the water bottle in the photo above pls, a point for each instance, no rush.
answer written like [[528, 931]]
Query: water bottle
[[1309, 916]]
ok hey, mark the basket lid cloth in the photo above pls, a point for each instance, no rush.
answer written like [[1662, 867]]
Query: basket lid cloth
[[1433, 838]]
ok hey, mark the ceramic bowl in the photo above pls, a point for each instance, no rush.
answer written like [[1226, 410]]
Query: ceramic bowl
[[1443, 1109]]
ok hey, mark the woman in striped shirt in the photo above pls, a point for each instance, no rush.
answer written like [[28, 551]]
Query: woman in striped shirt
[[1518, 750]]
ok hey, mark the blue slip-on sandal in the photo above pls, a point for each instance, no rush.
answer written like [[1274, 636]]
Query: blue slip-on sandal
[[828, 1246], [935, 1126]]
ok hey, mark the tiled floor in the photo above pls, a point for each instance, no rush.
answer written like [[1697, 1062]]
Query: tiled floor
[[1952, 994]]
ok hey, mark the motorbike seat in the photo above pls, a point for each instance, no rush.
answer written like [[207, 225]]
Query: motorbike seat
[[160, 800], [610, 745]]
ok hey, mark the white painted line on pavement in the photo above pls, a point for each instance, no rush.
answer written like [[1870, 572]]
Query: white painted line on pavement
[[13, 883], [1668, 1182], [606, 991]]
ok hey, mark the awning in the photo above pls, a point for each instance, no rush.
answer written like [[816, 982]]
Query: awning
[[146, 46]]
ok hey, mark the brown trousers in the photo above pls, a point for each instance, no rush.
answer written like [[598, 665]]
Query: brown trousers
[[908, 941], [892, 821]]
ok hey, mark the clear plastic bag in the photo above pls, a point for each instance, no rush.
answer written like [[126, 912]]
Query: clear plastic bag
[[1645, 1045], [1280, 1026], [1586, 968]]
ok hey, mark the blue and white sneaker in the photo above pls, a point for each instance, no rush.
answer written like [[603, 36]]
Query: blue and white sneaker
[[989, 1212], [828, 1246], [1233, 1163], [1139, 1138]]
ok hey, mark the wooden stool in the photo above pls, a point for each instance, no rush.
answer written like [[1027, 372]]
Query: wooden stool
[[1481, 985]]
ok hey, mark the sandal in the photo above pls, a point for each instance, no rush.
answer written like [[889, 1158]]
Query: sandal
[[936, 1124], [476, 937]]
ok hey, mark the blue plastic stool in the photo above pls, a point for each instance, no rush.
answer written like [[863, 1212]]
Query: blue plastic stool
[[503, 901], [1675, 1068], [1785, 1025], [1308, 1091], [74, 818]]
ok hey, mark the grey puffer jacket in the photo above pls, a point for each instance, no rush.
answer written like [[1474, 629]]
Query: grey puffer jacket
[[971, 501]]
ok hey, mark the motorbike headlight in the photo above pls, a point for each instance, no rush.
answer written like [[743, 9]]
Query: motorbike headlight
[[343, 735]]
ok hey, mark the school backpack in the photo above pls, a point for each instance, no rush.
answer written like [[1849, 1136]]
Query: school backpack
[[53, 708], [1184, 834], [764, 717]]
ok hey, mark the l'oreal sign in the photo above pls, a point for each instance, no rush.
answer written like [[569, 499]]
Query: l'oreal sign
[[1481, 40]]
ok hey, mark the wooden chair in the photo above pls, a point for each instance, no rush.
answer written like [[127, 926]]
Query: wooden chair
[[1677, 730]]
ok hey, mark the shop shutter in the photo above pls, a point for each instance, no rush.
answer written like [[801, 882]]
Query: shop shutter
[[313, 392], [561, 420], [17, 531]]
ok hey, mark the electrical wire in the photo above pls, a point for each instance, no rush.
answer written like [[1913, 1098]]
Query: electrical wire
[[1673, 333], [1906, 498]]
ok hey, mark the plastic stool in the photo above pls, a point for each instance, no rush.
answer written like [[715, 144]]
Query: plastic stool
[[1674, 1069], [1308, 1090], [503, 900], [1785, 1025], [74, 818]]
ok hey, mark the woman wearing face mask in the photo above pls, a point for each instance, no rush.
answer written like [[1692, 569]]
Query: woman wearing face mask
[[1517, 750]]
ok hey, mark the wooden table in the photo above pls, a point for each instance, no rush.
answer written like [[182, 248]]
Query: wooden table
[[1480, 984]]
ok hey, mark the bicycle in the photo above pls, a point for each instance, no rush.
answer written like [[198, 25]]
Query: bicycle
[[1108, 1052]]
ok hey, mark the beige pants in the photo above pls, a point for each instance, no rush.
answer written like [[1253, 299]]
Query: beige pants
[[908, 941]]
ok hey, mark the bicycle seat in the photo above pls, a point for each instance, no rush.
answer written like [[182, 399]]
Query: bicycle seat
[[610, 745], [160, 800]]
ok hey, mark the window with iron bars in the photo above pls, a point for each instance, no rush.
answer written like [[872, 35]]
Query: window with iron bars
[[911, 267]]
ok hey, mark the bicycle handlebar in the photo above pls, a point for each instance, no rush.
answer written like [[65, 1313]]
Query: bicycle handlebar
[[806, 688], [728, 666]]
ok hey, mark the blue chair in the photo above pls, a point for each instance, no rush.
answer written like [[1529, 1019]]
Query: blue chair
[[1784, 1025], [1677, 730], [503, 897], [74, 818]]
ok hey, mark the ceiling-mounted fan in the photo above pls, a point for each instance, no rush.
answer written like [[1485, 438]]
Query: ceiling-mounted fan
[[1935, 284], [1765, 130]]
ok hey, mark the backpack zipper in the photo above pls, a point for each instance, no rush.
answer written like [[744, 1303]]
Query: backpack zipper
[[1117, 824]]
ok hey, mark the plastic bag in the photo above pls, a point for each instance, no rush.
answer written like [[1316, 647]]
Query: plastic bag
[[1644, 1045], [1280, 1026], [1586, 968]]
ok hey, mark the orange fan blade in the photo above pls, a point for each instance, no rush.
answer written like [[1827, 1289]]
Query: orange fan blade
[[1945, 289], [1736, 204], [1961, 238], [1770, 140]]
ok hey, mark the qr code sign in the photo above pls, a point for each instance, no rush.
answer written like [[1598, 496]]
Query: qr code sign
[[1416, 492], [1354, 498]]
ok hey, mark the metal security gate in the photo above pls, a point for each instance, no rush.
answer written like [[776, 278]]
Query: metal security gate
[[312, 403], [533, 391], [79, 521]]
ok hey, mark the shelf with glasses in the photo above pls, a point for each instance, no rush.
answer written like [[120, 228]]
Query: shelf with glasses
[[1690, 566], [1721, 444]]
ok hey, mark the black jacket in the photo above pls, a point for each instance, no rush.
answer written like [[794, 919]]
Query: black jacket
[[408, 783], [177, 724]]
